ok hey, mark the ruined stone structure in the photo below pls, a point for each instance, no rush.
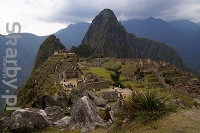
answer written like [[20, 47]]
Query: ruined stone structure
[[92, 82], [93, 85], [190, 88]]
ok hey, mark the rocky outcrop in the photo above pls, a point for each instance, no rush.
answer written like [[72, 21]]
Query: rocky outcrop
[[54, 113], [26, 121], [98, 101], [62, 99], [4, 123], [116, 107], [44, 101], [84, 115], [62, 123], [110, 96], [77, 94]]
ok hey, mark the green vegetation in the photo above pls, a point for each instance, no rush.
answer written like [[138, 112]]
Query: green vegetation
[[98, 71], [46, 49], [82, 50], [149, 103], [115, 75]]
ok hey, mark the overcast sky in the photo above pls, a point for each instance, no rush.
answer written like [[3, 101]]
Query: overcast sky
[[44, 17]]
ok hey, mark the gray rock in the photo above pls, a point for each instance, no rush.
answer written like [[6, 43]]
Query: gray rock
[[77, 94], [26, 121], [98, 101], [54, 113], [110, 95], [116, 107], [84, 115], [178, 103], [62, 123], [4, 123], [63, 101], [44, 101]]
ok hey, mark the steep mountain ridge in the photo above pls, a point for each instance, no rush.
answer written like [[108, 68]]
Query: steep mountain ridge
[[107, 36], [47, 48], [45, 71], [161, 31], [192, 31]]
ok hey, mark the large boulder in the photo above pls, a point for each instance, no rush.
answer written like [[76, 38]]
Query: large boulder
[[98, 101], [54, 113], [110, 95], [84, 115], [4, 123], [116, 107], [62, 123], [44, 101], [77, 94], [26, 121], [62, 99]]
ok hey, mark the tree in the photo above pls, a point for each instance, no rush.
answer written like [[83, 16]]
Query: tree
[[115, 75]]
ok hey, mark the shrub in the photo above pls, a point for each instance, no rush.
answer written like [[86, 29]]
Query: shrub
[[148, 103]]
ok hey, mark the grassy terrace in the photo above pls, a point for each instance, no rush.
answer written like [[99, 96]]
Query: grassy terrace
[[98, 71], [101, 72]]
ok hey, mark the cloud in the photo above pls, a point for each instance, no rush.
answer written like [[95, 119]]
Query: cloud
[[79, 10], [44, 17]]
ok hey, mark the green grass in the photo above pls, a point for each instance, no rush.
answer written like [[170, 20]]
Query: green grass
[[98, 71], [178, 122]]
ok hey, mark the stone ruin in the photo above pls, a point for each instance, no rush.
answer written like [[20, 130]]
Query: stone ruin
[[91, 81], [71, 72], [97, 62], [191, 88]]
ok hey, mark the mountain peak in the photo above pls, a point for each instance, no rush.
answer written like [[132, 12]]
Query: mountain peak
[[47, 48], [105, 15], [107, 36]]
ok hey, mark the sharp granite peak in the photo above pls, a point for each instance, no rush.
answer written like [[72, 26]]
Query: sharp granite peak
[[106, 35]]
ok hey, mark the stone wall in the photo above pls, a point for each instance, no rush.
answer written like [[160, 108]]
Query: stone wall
[[189, 89], [93, 85]]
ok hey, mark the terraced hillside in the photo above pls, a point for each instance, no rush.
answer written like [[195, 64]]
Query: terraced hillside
[[137, 74], [45, 79]]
